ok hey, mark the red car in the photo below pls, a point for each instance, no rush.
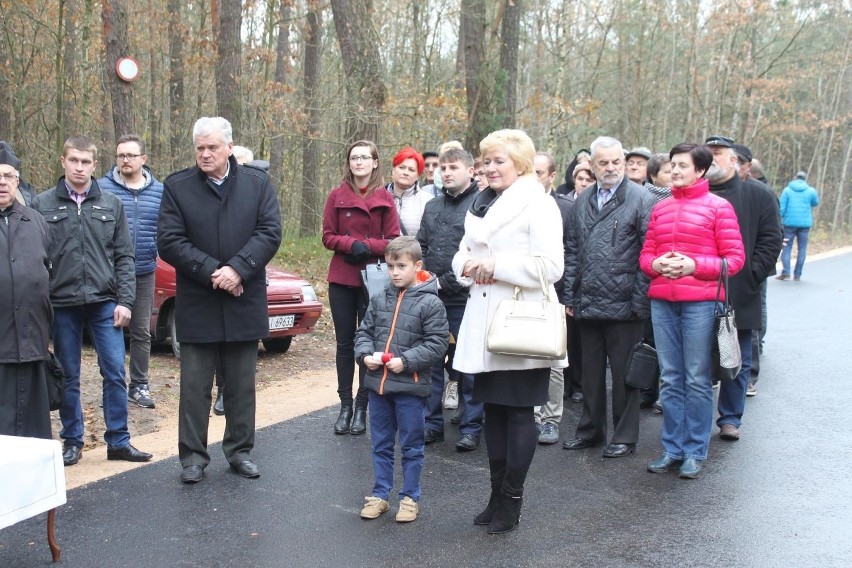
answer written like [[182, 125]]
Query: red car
[[293, 308]]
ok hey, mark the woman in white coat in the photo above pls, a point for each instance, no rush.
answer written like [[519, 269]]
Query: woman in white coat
[[510, 225]]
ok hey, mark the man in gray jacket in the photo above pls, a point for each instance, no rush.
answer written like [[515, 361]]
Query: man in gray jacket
[[608, 295], [92, 284]]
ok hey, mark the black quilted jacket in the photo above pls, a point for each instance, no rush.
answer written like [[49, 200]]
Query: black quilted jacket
[[602, 276]]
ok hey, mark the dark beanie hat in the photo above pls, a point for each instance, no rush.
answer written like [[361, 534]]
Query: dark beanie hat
[[7, 155]]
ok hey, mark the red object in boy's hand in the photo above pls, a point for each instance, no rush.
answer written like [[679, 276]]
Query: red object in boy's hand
[[386, 357]]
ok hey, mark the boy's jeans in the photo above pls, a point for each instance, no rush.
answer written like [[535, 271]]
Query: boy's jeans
[[389, 414]]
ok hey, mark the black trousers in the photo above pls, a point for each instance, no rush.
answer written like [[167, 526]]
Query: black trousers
[[574, 372], [198, 362], [602, 339], [347, 310]]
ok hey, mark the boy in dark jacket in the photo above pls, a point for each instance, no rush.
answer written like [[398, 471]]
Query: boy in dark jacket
[[404, 333]]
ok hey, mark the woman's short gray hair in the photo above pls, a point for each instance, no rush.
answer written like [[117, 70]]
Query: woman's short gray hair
[[207, 125]]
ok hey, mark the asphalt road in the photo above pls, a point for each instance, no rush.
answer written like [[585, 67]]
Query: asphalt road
[[780, 496]]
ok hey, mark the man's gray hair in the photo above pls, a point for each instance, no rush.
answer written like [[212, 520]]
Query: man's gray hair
[[207, 125], [605, 142]]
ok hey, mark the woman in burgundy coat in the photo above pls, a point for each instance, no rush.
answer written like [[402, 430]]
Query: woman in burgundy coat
[[359, 220], [688, 235]]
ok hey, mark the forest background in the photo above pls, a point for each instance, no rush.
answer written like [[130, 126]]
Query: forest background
[[300, 79]]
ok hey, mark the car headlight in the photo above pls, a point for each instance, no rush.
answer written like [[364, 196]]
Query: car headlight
[[308, 293]]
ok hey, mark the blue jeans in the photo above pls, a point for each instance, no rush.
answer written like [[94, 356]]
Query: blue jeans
[[801, 234], [683, 332], [732, 394], [473, 412], [389, 414], [108, 341]]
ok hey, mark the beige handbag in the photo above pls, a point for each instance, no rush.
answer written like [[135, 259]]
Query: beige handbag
[[534, 330]]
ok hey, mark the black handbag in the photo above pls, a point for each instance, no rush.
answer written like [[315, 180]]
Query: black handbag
[[374, 279], [55, 377], [726, 357], [643, 369]]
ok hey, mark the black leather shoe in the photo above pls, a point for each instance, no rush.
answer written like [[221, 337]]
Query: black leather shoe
[[467, 443], [691, 469], [128, 453], [219, 405], [618, 450], [192, 474], [430, 436], [71, 454], [578, 444], [663, 464], [344, 419], [577, 397], [246, 468], [359, 421]]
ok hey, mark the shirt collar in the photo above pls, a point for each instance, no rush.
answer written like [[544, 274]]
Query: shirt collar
[[225, 177]]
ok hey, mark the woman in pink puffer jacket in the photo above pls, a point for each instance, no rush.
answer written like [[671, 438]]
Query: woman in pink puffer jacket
[[688, 236]]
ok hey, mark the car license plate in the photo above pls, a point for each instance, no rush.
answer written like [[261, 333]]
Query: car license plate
[[281, 322]]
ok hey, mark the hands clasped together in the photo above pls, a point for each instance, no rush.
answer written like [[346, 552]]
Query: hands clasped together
[[227, 279], [480, 269], [674, 265]]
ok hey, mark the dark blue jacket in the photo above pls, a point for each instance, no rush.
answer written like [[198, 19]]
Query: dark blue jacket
[[441, 231], [142, 207]]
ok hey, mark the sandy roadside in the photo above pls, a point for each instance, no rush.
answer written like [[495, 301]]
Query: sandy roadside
[[302, 394]]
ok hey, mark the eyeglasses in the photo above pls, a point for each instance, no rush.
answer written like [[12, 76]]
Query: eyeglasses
[[360, 158], [126, 157], [10, 177]]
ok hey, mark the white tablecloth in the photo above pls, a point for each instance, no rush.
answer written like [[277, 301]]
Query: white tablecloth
[[32, 478]]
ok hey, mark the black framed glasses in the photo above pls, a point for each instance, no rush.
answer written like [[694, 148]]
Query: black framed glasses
[[126, 157]]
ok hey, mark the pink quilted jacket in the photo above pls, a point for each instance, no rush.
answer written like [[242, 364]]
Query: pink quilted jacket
[[697, 224]]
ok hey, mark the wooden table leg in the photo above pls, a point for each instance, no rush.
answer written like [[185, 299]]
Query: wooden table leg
[[55, 551]]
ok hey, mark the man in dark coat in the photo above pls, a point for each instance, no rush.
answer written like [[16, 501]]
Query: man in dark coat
[[91, 287], [219, 226], [549, 415], [608, 295], [441, 231], [25, 311], [757, 214]]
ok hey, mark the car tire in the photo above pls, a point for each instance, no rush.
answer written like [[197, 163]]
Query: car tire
[[277, 344], [175, 344]]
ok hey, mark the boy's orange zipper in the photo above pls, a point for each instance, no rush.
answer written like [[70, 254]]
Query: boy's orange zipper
[[390, 337]]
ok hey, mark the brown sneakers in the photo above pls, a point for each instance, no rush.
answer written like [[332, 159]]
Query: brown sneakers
[[374, 507], [407, 510], [729, 432]]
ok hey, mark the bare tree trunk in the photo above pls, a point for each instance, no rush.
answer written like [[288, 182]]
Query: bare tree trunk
[[114, 13], [282, 51], [509, 37], [460, 62], [69, 67], [310, 209], [6, 128], [473, 27], [155, 115], [177, 124], [228, 63], [839, 204], [60, 85], [365, 89]]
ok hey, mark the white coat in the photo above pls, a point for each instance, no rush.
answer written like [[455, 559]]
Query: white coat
[[524, 223]]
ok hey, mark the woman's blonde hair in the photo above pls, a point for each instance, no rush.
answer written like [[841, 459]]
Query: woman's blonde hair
[[515, 143]]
